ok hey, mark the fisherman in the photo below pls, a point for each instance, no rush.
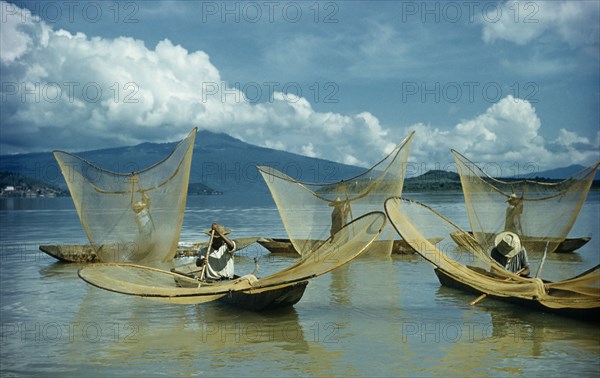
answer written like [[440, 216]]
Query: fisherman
[[219, 263], [143, 218], [339, 215], [513, 215], [508, 252]]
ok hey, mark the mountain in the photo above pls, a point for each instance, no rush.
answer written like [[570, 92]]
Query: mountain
[[225, 164], [557, 173], [432, 181], [220, 163], [15, 185]]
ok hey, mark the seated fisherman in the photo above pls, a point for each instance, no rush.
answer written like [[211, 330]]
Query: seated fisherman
[[219, 263], [509, 253]]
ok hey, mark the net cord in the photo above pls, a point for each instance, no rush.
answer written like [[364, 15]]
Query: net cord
[[592, 169]]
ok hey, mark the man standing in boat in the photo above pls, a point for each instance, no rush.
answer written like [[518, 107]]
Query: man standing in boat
[[508, 252], [219, 259], [513, 214], [339, 215]]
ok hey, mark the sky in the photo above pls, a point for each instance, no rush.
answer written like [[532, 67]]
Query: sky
[[512, 83]]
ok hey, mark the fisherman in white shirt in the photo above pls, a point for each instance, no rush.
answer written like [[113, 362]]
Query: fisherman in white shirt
[[219, 260]]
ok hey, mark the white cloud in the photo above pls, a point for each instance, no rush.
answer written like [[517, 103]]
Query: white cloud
[[309, 150], [507, 135], [158, 94], [520, 22], [567, 138], [17, 36], [75, 92]]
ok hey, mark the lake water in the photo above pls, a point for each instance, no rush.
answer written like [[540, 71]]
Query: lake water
[[374, 316]]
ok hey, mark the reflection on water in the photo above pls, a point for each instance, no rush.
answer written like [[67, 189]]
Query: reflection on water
[[201, 339], [341, 286], [374, 316], [515, 335]]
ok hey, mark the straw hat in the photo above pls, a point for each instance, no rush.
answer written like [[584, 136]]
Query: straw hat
[[336, 202], [222, 230], [512, 198], [508, 244]]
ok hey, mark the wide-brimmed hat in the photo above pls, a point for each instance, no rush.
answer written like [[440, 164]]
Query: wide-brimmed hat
[[222, 230], [512, 197], [507, 243], [336, 202]]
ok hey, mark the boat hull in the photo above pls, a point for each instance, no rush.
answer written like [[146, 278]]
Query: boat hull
[[283, 246], [286, 296], [589, 314], [71, 253], [568, 245], [571, 245], [254, 300], [84, 253]]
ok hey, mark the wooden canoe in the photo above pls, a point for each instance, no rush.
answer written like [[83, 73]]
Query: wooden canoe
[[571, 244], [84, 253], [449, 280], [78, 253], [283, 246], [568, 245], [269, 299], [577, 296]]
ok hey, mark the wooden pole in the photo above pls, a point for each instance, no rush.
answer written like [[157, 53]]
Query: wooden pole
[[212, 235], [539, 269], [482, 296]]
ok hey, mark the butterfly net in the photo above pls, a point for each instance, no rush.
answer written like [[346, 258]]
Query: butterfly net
[[541, 213], [133, 217], [152, 283], [312, 212]]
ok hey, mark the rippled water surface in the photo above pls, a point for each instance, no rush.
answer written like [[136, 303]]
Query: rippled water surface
[[375, 317]]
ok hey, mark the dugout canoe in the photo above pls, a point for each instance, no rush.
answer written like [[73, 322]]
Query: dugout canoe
[[577, 297], [572, 304], [280, 289], [568, 245], [571, 244], [268, 299], [283, 246], [84, 253]]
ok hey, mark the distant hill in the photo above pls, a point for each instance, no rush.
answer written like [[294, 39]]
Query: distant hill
[[557, 173], [434, 180], [15, 185], [197, 188], [223, 164], [220, 163]]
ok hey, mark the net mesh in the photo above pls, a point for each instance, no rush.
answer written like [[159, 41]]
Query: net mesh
[[133, 217], [469, 264], [541, 213], [162, 285], [312, 212]]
